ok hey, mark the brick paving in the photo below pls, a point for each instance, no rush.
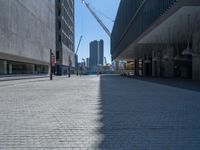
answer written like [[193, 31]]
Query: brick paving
[[89, 112]]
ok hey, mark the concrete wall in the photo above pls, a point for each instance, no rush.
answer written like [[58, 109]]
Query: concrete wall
[[67, 53], [27, 30]]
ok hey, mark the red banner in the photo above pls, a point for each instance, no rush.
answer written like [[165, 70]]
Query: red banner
[[53, 60]]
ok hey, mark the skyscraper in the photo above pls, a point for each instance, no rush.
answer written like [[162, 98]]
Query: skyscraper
[[96, 54], [65, 55], [87, 62], [101, 52]]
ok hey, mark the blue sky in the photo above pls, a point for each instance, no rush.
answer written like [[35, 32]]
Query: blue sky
[[86, 25]]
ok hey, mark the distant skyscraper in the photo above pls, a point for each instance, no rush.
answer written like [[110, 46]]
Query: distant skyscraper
[[96, 54], [101, 52], [93, 54], [87, 63]]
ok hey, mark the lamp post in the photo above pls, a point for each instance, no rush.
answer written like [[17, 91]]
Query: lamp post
[[69, 70], [188, 50], [77, 66], [50, 69]]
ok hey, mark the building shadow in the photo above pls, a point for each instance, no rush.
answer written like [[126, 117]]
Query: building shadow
[[135, 116], [115, 112], [187, 84]]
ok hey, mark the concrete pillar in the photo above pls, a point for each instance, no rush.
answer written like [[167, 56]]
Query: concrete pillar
[[33, 69], [147, 67], [142, 69], [10, 69], [169, 69], [5, 67], [136, 67], [156, 69], [196, 68], [196, 59]]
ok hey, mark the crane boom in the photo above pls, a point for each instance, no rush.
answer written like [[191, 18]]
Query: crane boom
[[79, 44], [97, 18]]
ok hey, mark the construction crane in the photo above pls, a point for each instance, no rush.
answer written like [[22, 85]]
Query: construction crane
[[79, 44], [100, 22], [76, 54], [97, 18]]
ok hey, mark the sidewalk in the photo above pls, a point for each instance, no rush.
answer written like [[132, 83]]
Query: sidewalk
[[26, 77], [21, 77]]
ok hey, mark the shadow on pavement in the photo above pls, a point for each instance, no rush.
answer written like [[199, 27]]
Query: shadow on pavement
[[137, 115], [187, 84]]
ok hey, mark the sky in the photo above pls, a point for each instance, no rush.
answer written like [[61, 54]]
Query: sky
[[89, 28]]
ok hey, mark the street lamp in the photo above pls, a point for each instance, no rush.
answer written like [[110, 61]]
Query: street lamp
[[50, 69], [188, 50]]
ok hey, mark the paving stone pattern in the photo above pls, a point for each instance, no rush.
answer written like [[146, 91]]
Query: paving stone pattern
[[89, 112]]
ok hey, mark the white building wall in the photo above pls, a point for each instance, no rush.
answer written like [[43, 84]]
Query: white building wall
[[27, 30], [67, 53]]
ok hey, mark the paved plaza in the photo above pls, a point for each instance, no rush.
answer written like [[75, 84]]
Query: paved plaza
[[89, 112]]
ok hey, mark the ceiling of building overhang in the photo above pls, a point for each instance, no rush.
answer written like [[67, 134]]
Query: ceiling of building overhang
[[174, 29]]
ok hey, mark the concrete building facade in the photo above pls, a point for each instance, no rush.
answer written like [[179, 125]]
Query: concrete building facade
[[96, 54], [27, 33], [159, 38], [65, 53]]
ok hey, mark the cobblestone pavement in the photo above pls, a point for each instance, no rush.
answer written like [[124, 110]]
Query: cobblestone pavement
[[89, 112]]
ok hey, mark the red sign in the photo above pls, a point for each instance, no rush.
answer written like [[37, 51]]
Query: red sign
[[53, 60]]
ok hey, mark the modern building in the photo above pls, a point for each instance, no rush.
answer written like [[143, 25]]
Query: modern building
[[65, 55], [96, 54], [27, 33], [101, 52], [87, 62], [158, 38]]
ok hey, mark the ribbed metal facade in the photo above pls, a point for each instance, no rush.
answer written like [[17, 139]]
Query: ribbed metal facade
[[133, 18]]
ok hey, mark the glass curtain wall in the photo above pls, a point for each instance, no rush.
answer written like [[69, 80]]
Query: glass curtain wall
[[11, 67]]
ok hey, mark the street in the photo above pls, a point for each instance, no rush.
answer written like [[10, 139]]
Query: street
[[90, 112]]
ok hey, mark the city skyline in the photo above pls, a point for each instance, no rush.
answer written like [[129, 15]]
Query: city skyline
[[86, 25]]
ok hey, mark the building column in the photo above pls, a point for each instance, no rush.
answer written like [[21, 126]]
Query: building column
[[142, 67], [156, 69], [136, 67], [196, 68], [196, 59], [9, 68], [5, 67]]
